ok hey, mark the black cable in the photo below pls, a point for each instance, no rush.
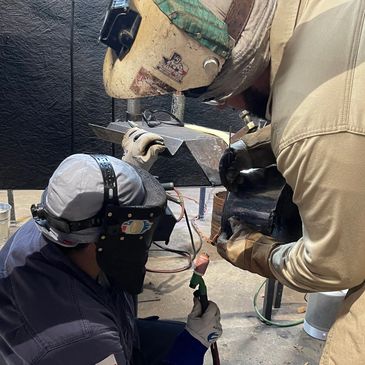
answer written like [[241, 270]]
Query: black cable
[[113, 120], [195, 251], [72, 73], [179, 252], [188, 255], [152, 121]]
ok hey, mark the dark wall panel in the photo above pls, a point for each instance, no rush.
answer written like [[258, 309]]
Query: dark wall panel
[[91, 104], [35, 89], [51, 89]]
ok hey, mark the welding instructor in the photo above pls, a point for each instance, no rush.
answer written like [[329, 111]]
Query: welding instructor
[[304, 63]]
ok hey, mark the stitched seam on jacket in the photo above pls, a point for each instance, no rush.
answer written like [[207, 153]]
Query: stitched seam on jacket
[[319, 132], [84, 326], [48, 346], [26, 325], [352, 65], [60, 346]]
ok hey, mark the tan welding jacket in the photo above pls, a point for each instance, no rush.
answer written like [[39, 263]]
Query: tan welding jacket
[[318, 137]]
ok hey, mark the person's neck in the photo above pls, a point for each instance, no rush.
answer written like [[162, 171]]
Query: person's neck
[[85, 259]]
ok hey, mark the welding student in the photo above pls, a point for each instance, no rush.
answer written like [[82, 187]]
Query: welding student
[[70, 275], [305, 61]]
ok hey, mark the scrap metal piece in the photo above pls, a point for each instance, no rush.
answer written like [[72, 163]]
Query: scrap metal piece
[[191, 157]]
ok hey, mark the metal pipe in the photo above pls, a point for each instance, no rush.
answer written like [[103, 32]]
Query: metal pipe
[[11, 202], [134, 112], [178, 105], [202, 202]]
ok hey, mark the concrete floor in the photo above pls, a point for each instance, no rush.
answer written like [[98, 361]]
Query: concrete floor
[[245, 340]]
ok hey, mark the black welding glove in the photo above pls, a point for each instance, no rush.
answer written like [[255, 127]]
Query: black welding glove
[[252, 151], [234, 159]]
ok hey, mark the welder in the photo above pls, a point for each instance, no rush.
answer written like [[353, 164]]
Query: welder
[[300, 63], [70, 276]]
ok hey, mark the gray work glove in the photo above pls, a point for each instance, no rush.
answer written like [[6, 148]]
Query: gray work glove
[[206, 327], [141, 148], [251, 151]]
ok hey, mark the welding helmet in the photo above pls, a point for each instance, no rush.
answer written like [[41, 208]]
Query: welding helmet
[[209, 48], [103, 200]]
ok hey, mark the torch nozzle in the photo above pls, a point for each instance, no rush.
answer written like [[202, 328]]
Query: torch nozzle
[[201, 264]]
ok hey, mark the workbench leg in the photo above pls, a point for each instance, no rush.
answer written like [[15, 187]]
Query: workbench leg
[[202, 202], [269, 298], [278, 294], [11, 202]]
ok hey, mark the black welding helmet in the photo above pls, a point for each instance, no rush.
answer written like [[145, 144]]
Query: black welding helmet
[[103, 200]]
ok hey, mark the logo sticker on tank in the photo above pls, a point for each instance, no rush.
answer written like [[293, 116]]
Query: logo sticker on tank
[[135, 226]]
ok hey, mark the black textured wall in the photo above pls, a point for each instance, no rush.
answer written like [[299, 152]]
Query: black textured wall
[[51, 88]]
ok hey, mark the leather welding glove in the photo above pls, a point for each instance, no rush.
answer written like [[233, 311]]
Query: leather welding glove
[[253, 150], [141, 148], [247, 249], [206, 327]]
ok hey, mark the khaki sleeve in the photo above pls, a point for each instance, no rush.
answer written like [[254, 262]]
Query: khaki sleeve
[[327, 175]]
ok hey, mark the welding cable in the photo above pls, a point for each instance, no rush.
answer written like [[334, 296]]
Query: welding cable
[[195, 250], [195, 225], [267, 321], [179, 200], [172, 271], [183, 213], [190, 257], [182, 204], [186, 254]]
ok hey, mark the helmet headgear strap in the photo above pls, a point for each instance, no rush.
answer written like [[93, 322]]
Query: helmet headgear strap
[[110, 181]]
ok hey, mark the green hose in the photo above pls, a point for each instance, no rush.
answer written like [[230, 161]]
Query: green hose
[[265, 320]]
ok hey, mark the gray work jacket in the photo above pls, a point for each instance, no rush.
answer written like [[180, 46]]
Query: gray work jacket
[[54, 313]]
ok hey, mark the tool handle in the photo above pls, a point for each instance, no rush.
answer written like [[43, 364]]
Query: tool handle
[[213, 347], [204, 302]]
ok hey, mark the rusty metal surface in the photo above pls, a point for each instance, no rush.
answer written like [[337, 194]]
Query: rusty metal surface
[[191, 157]]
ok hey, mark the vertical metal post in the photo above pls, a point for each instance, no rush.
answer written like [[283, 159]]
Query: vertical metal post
[[202, 202], [134, 112], [178, 105], [278, 294], [269, 298], [11, 202]]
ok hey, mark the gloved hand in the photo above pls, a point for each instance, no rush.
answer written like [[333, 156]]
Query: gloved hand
[[247, 249], [251, 151], [233, 160], [141, 148], [206, 327]]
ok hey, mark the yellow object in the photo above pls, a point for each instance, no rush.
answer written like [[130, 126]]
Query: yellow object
[[163, 59], [215, 132]]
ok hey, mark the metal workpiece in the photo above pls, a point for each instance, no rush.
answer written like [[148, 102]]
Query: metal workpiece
[[191, 157], [264, 202]]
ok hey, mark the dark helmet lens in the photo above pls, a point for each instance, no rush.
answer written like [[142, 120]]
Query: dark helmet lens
[[120, 27]]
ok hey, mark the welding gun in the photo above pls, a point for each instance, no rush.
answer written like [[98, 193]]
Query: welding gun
[[200, 267]]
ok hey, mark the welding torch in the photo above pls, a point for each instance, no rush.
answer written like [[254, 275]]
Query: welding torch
[[200, 267]]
